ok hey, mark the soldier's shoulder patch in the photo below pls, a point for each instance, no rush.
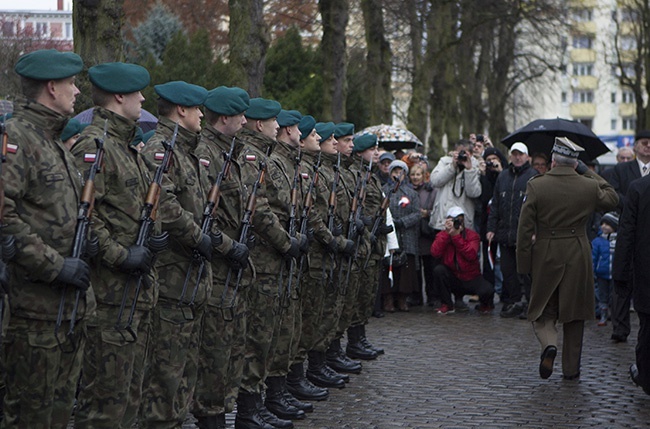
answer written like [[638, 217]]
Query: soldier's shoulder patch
[[12, 148], [90, 157], [159, 156], [204, 162], [305, 176], [250, 157]]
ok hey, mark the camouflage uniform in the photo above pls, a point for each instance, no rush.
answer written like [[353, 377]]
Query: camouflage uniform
[[111, 385], [171, 377], [42, 189], [272, 242], [221, 357]]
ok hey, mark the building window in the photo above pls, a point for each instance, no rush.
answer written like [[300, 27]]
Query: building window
[[629, 123], [583, 69], [613, 97], [582, 42], [582, 15], [563, 96], [41, 28], [627, 43], [583, 96], [68, 30], [8, 29], [628, 97], [613, 125]]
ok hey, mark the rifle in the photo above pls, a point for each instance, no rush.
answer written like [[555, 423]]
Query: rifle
[[356, 210], [304, 217], [7, 245], [209, 214], [148, 217], [228, 311], [379, 215], [284, 295], [84, 214], [331, 217]]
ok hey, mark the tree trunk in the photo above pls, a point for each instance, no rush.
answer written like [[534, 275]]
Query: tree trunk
[[249, 41], [334, 14], [378, 60], [97, 38]]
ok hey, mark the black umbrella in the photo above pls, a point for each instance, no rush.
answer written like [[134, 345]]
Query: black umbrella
[[540, 134]]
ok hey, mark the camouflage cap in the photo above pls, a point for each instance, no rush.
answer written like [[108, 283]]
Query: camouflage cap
[[566, 147], [306, 126], [344, 129], [325, 130], [49, 64], [262, 109], [182, 93], [119, 78], [364, 141], [72, 128], [287, 118], [227, 101]]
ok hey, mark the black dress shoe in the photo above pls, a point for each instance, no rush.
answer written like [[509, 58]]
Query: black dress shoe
[[619, 338], [572, 377], [546, 362]]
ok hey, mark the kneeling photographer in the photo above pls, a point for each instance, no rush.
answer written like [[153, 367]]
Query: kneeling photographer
[[459, 273]]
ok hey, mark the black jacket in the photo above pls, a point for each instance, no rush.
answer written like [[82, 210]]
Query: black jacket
[[621, 176], [509, 191]]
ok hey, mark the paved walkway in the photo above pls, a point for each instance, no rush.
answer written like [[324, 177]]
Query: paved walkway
[[470, 370]]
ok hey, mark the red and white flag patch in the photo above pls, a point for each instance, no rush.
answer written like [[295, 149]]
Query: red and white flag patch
[[305, 176], [404, 201], [204, 162], [12, 148], [251, 158], [159, 156], [89, 157]]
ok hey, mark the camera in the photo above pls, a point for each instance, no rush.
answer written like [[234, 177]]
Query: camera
[[458, 221], [462, 157], [480, 138], [423, 158], [490, 164]]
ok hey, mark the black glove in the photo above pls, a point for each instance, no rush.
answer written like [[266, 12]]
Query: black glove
[[303, 243], [294, 249], [8, 243], [399, 223], [581, 168], [158, 243], [4, 278], [75, 272], [92, 246], [348, 247], [205, 247], [337, 230], [359, 226], [237, 257], [385, 229], [139, 258]]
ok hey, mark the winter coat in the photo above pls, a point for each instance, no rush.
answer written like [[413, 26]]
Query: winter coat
[[602, 252], [555, 211], [405, 209], [427, 195], [459, 253], [507, 199]]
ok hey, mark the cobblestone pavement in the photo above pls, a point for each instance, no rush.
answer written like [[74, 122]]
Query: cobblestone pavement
[[469, 370]]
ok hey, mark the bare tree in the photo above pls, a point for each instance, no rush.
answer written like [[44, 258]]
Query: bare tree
[[333, 49]]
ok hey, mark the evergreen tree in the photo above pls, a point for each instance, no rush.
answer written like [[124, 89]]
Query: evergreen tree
[[152, 35]]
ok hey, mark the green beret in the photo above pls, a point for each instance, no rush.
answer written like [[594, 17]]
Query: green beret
[[182, 93], [146, 136], [287, 118], [119, 78], [325, 130], [344, 129], [138, 136], [72, 128], [49, 64], [306, 126], [261, 108], [227, 101], [364, 141]]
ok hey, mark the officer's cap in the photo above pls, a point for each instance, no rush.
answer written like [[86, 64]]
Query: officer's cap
[[227, 101], [182, 93], [343, 129], [642, 134], [566, 147], [49, 64], [325, 130], [119, 78], [72, 128], [287, 118], [262, 109], [364, 141], [306, 126]]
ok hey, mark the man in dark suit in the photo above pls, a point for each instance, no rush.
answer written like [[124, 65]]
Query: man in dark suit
[[632, 257], [622, 176]]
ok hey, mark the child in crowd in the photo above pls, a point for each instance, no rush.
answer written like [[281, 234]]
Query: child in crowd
[[602, 250]]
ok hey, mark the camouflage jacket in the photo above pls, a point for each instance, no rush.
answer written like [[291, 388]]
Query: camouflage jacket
[[42, 191], [272, 202], [370, 205], [120, 191], [182, 200], [230, 211]]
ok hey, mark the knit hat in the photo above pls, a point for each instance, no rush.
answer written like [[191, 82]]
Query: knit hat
[[611, 219], [398, 164]]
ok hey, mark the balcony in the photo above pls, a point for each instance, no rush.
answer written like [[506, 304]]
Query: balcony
[[583, 3], [579, 55], [584, 82], [582, 110], [627, 110], [588, 27]]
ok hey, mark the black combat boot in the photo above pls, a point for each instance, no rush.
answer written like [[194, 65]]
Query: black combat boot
[[366, 343], [320, 374], [277, 403], [301, 388], [338, 361], [248, 415], [211, 422], [269, 417], [355, 348], [305, 406]]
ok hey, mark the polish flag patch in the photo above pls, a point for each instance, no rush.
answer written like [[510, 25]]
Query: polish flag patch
[[89, 157], [204, 162], [12, 148], [404, 201], [159, 156], [251, 158], [305, 176]]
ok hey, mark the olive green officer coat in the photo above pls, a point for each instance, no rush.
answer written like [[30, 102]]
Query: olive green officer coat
[[552, 244]]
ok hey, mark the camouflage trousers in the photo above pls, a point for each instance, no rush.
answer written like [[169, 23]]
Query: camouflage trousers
[[221, 358], [41, 380], [113, 370], [261, 323], [284, 345], [170, 377], [348, 303], [368, 286], [313, 294], [329, 311]]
